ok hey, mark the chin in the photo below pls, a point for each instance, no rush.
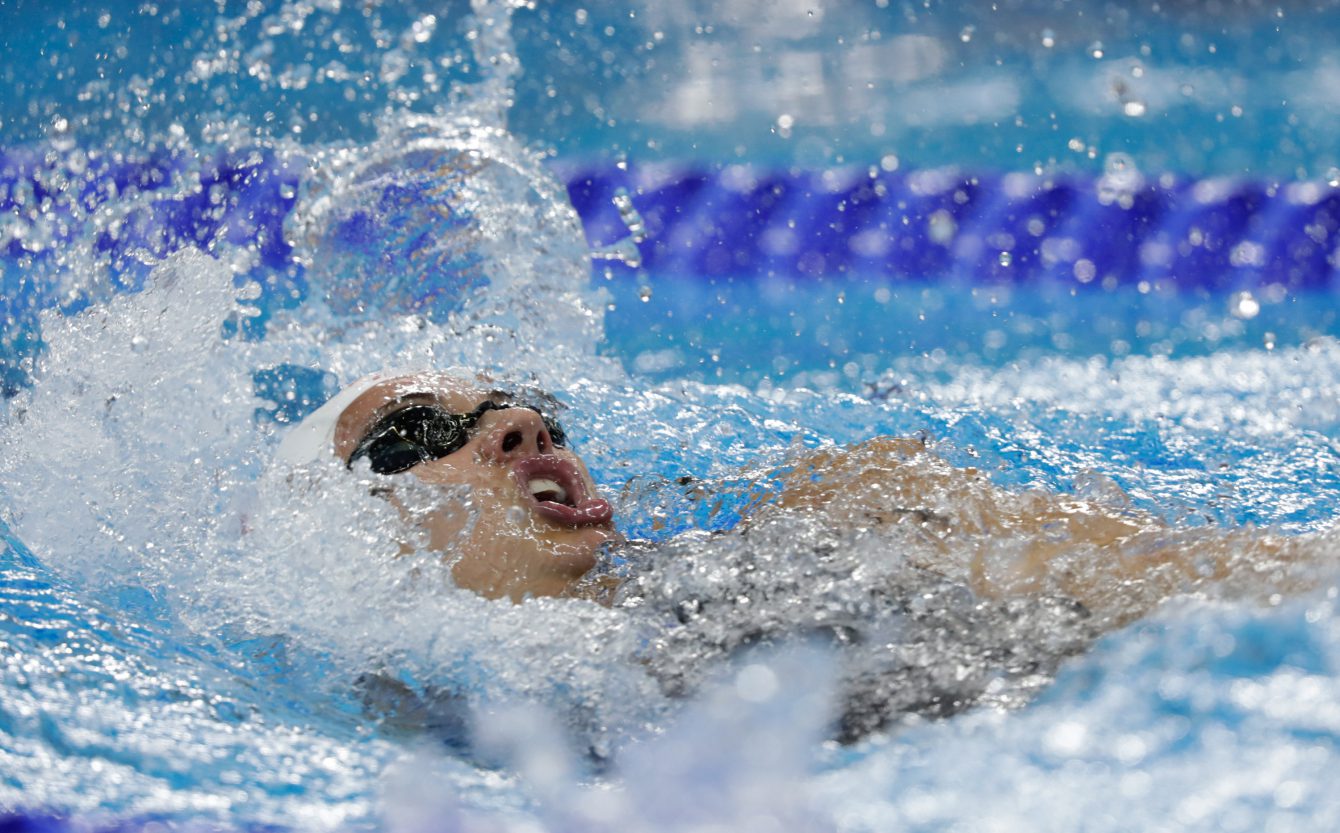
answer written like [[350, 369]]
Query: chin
[[577, 549]]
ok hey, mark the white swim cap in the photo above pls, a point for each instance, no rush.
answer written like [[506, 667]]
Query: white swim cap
[[313, 439]]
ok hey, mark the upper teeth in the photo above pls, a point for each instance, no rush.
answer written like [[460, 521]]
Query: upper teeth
[[548, 488]]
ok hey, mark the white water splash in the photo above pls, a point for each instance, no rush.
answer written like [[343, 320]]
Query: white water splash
[[113, 461]]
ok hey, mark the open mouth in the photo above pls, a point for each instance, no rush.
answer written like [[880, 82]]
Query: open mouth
[[558, 492]]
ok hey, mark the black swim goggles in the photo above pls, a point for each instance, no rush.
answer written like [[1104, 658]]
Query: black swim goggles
[[418, 433]]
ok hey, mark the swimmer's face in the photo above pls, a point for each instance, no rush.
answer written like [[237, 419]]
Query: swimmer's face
[[539, 523]]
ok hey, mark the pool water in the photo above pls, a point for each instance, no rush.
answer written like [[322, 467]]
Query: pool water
[[201, 242]]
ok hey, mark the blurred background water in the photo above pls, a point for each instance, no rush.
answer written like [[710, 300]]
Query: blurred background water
[[1219, 88]]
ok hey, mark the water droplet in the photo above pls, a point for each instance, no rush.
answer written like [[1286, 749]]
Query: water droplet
[[628, 213], [967, 33], [423, 28], [623, 250], [1048, 38], [756, 683], [1005, 259], [941, 227], [1243, 305], [1118, 163], [644, 293]]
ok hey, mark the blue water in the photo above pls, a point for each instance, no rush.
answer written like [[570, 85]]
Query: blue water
[[1227, 89], [159, 665]]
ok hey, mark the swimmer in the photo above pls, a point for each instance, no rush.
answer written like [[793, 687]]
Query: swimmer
[[539, 525]]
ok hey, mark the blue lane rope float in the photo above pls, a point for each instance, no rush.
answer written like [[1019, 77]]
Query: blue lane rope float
[[742, 221], [1215, 234], [702, 222]]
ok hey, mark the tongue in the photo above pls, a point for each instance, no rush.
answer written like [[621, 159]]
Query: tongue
[[587, 513]]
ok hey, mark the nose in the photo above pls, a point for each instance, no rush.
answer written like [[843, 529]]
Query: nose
[[512, 433]]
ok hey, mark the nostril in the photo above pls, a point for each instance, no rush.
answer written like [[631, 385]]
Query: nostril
[[511, 440]]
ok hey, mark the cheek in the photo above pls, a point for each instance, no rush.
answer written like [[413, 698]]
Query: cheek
[[454, 469], [447, 527], [488, 485], [487, 526]]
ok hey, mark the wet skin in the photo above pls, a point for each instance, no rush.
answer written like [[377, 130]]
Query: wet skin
[[514, 546], [1117, 561]]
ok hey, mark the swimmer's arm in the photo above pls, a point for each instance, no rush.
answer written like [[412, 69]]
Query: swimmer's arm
[[1121, 565], [858, 477], [1118, 562]]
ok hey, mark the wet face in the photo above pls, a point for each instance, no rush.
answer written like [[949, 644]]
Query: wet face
[[538, 522]]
